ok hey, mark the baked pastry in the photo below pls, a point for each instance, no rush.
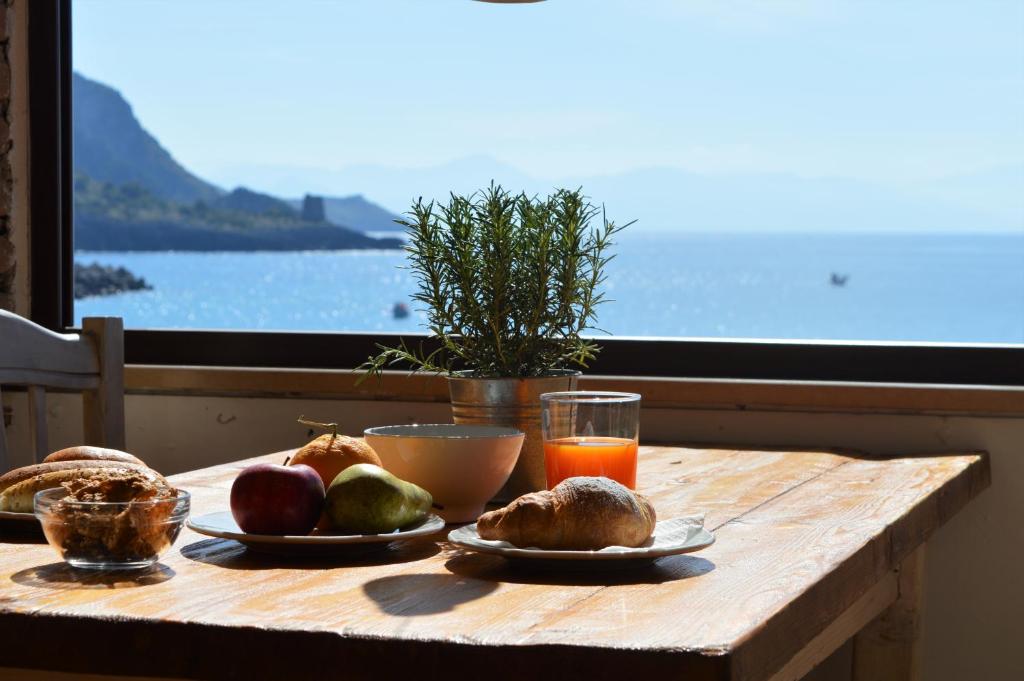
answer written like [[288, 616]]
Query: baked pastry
[[17, 495], [89, 453], [581, 513]]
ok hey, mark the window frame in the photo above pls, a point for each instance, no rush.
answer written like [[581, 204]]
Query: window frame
[[52, 255]]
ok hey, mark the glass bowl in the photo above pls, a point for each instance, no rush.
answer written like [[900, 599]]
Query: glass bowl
[[110, 535]]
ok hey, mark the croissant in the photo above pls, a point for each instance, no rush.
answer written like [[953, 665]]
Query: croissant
[[581, 513]]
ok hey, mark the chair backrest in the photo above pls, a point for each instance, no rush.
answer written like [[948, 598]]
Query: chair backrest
[[91, 362]]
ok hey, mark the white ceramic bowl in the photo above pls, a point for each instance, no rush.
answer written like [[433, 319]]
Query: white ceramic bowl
[[461, 466]]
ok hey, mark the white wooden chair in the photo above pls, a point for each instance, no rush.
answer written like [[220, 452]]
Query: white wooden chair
[[91, 362]]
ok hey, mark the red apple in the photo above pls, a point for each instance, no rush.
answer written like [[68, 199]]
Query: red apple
[[270, 499]]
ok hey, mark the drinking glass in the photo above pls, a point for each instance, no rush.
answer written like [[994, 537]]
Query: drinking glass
[[591, 433]]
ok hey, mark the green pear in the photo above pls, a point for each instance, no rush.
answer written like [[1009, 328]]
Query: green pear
[[366, 499]]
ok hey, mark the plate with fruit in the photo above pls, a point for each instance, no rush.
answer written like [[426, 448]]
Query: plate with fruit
[[331, 497], [317, 543]]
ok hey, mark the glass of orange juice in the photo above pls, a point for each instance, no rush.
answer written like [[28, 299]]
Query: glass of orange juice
[[591, 433]]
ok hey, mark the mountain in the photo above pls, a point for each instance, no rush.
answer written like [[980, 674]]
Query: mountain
[[998, 190], [244, 200], [356, 212], [111, 145], [130, 194], [129, 217], [393, 189], [674, 199]]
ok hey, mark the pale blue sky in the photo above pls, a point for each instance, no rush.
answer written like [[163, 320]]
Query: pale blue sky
[[896, 91]]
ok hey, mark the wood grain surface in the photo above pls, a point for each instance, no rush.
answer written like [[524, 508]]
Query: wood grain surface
[[889, 649], [805, 539]]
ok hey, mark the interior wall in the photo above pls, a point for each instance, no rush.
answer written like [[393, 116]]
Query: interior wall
[[14, 241], [17, 116], [8, 262], [974, 595]]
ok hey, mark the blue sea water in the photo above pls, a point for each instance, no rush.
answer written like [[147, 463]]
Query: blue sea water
[[900, 287]]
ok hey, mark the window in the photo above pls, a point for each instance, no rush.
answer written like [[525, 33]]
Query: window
[[822, 199]]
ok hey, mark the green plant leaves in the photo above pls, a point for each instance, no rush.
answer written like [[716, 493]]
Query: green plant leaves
[[509, 283]]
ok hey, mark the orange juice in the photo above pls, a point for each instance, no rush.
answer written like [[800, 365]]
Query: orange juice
[[612, 457]]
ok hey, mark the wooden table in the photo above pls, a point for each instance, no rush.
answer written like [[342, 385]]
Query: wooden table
[[813, 547]]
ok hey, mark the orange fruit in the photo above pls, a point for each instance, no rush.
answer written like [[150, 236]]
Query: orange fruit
[[330, 454]]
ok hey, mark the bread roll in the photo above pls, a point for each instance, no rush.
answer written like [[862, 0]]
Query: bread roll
[[19, 486], [581, 513], [88, 453], [25, 472]]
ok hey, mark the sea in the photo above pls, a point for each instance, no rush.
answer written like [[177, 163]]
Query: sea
[[946, 288]]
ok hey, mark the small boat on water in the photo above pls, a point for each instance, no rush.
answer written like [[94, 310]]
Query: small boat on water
[[839, 279], [400, 311]]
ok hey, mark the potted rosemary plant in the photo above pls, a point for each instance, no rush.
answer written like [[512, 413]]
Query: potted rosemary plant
[[509, 283]]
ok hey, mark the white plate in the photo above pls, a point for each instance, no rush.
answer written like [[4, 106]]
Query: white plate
[[670, 538], [222, 525]]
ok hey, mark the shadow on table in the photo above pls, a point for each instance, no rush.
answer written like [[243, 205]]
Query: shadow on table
[[498, 569], [227, 553], [63, 576], [21, 532], [417, 595], [23, 538]]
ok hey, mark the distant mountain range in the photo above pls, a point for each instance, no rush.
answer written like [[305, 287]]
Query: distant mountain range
[[130, 194], [112, 147], [678, 200]]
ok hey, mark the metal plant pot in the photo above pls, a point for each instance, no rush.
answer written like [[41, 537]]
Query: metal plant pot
[[511, 402]]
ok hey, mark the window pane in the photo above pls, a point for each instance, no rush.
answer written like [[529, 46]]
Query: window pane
[[850, 170]]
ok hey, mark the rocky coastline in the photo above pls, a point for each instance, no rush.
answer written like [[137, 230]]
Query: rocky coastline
[[105, 280]]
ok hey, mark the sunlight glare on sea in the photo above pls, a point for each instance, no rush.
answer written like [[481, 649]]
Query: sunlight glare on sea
[[931, 287]]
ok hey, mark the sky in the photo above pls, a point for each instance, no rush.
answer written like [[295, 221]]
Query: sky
[[880, 91]]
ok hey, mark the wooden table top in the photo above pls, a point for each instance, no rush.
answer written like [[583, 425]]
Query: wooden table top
[[801, 536]]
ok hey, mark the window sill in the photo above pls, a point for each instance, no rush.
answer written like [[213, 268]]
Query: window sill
[[659, 393]]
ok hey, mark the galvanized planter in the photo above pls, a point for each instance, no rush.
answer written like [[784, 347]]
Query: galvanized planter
[[511, 402]]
